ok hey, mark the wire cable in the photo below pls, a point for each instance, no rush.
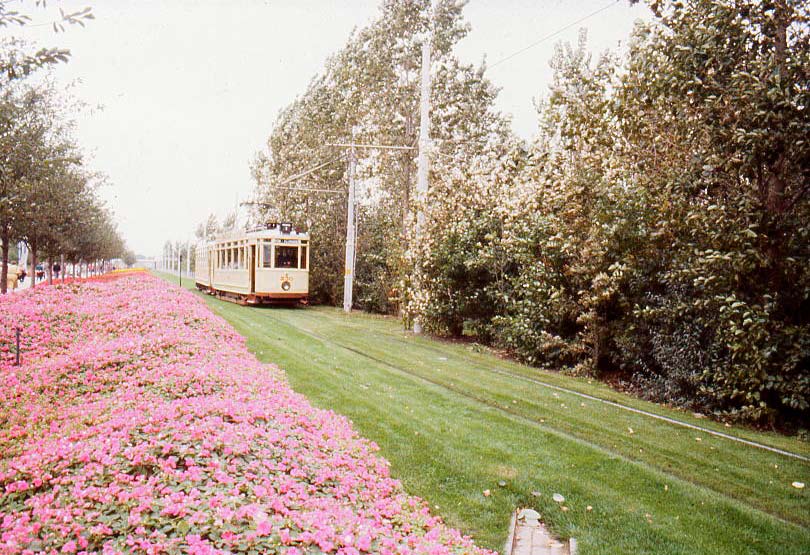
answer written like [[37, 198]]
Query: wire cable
[[554, 34]]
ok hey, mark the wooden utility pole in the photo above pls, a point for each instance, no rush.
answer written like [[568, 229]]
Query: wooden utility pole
[[423, 161]]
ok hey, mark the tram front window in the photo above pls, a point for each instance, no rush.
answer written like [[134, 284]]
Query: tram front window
[[286, 257]]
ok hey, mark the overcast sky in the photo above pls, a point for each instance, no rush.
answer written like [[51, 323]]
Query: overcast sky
[[190, 88]]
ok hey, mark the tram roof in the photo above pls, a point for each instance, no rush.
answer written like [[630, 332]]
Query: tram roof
[[262, 233]]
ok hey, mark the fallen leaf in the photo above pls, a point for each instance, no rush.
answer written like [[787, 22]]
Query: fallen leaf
[[487, 493], [564, 508], [502, 484], [798, 485], [558, 498], [589, 508], [629, 429], [536, 493]]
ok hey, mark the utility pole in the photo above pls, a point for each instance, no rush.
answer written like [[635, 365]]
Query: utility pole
[[351, 220], [188, 259], [423, 163], [348, 273]]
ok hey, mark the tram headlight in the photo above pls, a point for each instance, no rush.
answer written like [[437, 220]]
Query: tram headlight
[[285, 285]]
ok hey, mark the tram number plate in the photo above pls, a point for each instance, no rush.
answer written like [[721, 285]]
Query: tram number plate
[[287, 241]]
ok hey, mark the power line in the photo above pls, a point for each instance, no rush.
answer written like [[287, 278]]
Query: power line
[[554, 34]]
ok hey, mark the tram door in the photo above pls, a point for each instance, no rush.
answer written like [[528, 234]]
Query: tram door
[[252, 268], [210, 258]]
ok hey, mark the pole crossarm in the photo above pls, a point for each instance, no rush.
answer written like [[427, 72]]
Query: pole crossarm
[[383, 147], [301, 189], [311, 170]]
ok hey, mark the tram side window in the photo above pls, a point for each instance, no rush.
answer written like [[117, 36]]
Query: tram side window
[[303, 258], [267, 256], [286, 257]]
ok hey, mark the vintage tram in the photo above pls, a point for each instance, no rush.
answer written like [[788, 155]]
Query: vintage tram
[[258, 266]]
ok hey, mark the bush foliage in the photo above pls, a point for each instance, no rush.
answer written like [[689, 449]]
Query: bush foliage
[[658, 229]]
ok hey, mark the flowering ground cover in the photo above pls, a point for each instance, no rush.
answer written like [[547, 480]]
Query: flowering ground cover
[[139, 422]]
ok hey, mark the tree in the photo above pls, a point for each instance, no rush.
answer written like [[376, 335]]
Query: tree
[[372, 85], [656, 231]]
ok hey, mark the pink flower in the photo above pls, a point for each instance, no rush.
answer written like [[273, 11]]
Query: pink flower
[[363, 542], [264, 528]]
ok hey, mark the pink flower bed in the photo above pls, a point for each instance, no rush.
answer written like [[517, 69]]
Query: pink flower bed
[[139, 422]]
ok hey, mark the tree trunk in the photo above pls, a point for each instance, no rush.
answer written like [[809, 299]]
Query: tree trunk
[[62, 266], [49, 270], [4, 236], [775, 178], [775, 182], [33, 263]]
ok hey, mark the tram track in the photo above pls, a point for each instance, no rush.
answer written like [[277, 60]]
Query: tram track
[[642, 412], [516, 414], [648, 414]]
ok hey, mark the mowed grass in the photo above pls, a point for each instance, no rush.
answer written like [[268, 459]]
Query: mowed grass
[[454, 421]]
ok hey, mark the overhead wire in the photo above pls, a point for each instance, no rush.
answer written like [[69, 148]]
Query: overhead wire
[[554, 34]]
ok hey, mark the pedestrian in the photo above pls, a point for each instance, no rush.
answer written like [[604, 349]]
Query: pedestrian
[[13, 277], [56, 269]]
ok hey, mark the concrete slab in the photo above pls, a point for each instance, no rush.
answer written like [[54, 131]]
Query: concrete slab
[[528, 536]]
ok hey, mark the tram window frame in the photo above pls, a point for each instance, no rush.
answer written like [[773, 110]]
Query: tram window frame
[[302, 257], [290, 257], [267, 254]]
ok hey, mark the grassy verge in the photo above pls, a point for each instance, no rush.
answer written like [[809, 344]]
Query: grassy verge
[[455, 421]]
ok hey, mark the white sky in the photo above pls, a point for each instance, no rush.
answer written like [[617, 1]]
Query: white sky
[[190, 89]]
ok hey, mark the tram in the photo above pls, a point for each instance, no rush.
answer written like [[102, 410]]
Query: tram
[[259, 266]]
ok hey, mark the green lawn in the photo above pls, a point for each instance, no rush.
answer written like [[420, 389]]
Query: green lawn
[[454, 420]]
